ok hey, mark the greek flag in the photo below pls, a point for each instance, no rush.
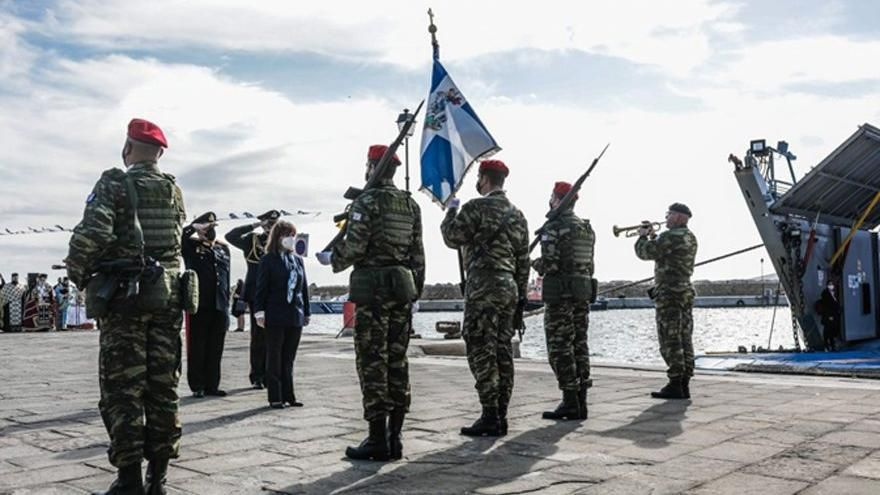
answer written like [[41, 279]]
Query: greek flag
[[453, 138]]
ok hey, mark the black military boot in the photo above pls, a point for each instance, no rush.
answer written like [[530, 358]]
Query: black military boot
[[582, 401], [672, 390], [567, 409], [374, 447], [502, 418], [487, 425], [395, 425], [686, 387], [128, 481], [156, 473]]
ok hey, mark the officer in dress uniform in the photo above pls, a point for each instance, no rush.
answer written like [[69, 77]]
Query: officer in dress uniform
[[253, 245], [131, 216], [383, 242], [673, 253], [209, 258], [494, 235], [566, 263]]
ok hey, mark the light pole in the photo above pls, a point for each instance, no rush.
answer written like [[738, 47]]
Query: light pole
[[402, 119], [763, 292]]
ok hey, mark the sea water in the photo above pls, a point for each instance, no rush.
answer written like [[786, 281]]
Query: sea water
[[630, 335]]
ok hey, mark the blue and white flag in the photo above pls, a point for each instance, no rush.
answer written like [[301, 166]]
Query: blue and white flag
[[452, 139]]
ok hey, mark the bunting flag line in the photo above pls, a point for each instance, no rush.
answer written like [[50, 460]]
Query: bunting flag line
[[245, 215]]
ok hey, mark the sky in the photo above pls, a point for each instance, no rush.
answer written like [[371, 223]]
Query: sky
[[273, 104]]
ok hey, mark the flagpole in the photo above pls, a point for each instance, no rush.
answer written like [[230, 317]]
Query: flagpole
[[436, 48], [433, 30]]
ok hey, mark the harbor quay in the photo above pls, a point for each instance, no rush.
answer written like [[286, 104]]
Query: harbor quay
[[741, 433]]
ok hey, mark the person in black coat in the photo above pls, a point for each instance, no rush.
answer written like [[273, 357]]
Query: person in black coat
[[828, 307], [253, 245], [210, 260], [282, 308]]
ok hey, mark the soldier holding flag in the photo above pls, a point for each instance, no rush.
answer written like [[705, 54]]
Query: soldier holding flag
[[495, 237]]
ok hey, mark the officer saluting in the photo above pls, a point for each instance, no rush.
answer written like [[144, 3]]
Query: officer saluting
[[209, 258], [253, 245], [129, 217], [566, 263]]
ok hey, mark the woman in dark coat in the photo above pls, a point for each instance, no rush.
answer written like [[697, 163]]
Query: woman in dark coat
[[281, 307]]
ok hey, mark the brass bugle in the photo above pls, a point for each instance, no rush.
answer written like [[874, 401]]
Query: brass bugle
[[633, 230]]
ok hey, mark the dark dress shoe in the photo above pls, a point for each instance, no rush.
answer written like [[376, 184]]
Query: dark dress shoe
[[257, 385], [198, 394], [216, 393], [293, 403], [276, 405]]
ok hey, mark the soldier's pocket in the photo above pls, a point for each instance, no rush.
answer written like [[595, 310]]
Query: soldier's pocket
[[155, 295]]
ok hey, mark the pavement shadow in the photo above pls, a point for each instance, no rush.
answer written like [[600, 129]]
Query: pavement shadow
[[221, 421], [477, 463], [654, 426], [79, 417]]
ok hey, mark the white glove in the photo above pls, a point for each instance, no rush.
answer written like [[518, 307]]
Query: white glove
[[324, 257], [260, 316], [453, 204], [415, 307]]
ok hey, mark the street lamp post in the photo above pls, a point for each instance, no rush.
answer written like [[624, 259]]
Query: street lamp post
[[402, 119], [763, 290]]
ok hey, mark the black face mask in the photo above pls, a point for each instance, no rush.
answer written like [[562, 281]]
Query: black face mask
[[211, 234], [478, 189]]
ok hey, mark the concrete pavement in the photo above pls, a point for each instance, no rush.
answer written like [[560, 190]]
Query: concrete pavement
[[741, 433]]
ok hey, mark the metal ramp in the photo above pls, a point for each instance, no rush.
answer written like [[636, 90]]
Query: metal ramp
[[841, 185]]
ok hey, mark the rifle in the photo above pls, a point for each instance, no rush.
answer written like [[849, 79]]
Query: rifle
[[566, 201], [378, 173]]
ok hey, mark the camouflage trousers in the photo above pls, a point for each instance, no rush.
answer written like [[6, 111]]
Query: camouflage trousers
[[381, 337], [565, 327], [139, 369], [675, 328], [488, 330]]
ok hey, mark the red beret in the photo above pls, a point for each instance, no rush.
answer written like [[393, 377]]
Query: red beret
[[496, 165], [146, 132], [377, 151], [562, 188]]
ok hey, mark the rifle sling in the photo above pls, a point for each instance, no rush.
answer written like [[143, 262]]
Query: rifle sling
[[138, 231], [483, 248]]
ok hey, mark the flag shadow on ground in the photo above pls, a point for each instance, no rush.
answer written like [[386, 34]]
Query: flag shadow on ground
[[654, 426]]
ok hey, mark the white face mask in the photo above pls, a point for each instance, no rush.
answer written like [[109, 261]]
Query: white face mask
[[288, 243]]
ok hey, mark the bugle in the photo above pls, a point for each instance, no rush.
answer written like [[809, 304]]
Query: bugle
[[633, 230]]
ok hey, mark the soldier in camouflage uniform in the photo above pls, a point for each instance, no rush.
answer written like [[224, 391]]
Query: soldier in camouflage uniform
[[673, 253], [494, 237], [566, 263], [139, 362], [383, 241]]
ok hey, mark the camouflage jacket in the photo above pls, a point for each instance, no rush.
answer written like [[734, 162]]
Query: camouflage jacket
[[366, 246], [104, 234], [673, 253], [557, 251], [479, 219]]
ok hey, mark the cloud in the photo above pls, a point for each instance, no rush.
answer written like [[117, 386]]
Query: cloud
[[675, 91], [825, 59], [671, 35]]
